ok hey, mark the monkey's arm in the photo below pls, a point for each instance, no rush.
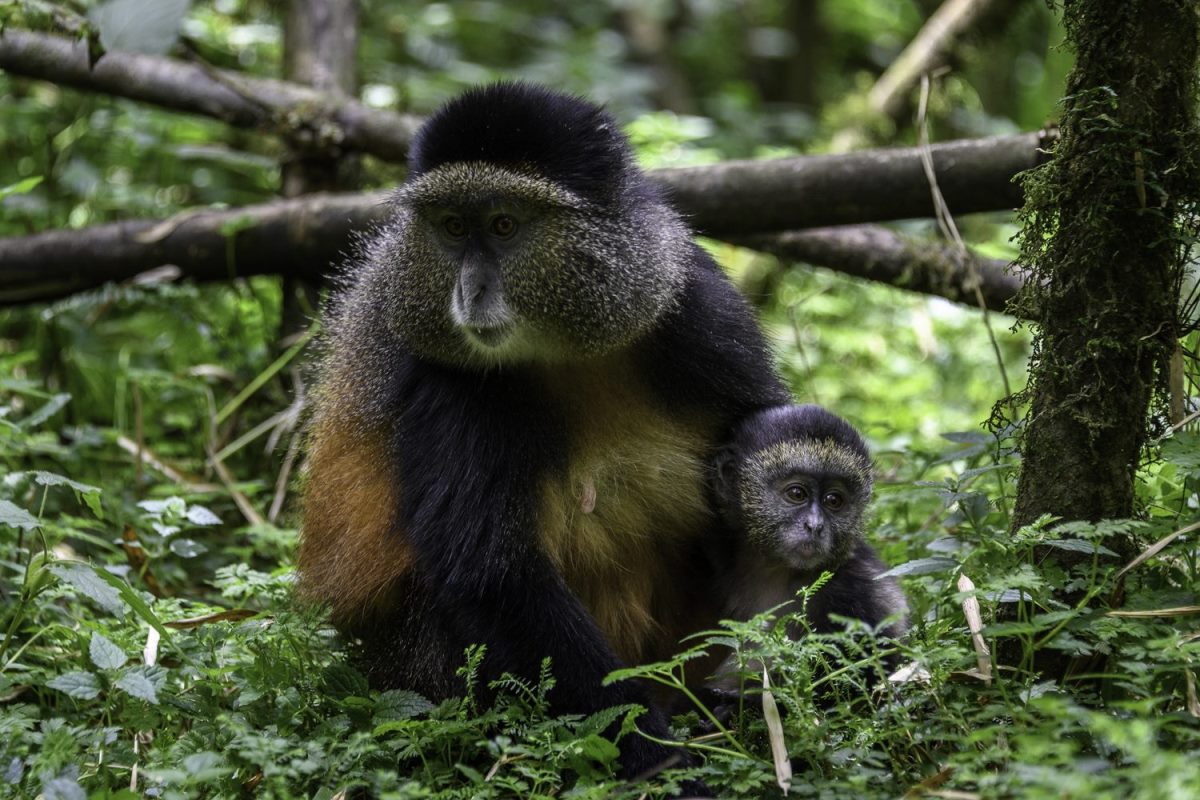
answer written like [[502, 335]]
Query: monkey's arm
[[710, 352]]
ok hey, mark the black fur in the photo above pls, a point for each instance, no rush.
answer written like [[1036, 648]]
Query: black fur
[[806, 422], [564, 138]]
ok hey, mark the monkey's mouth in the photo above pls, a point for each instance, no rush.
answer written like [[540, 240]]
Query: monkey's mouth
[[806, 554], [488, 335]]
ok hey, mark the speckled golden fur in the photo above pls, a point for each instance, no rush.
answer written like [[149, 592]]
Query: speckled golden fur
[[641, 470], [350, 554]]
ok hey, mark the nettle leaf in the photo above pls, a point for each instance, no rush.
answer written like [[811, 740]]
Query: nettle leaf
[[136, 684], [87, 582], [199, 515], [401, 704], [1183, 448], [342, 680], [63, 787], [597, 748], [920, 566], [80, 685], [14, 516], [205, 766], [187, 548], [1079, 546], [48, 410], [43, 478], [139, 26], [171, 508], [105, 654], [89, 494]]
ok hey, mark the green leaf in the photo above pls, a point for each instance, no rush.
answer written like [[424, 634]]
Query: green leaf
[[89, 494], [921, 566], [80, 685], [400, 704], [16, 517], [597, 748], [139, 26], [1079, 546], [87, 581], [134, 599], [46, 411], [105, 654], [199, 515], [64, 787], [42, 478], [968, 437], [187, 548], [601, 720], [136, 684], [20, 187], [1183, 448]]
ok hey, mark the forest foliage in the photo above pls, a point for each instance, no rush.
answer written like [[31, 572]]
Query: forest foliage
[[150, 444]]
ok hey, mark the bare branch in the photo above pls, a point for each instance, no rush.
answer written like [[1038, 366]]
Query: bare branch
[[743, 197], [881, 254], [302, 236], [239, 100], [929, 49]]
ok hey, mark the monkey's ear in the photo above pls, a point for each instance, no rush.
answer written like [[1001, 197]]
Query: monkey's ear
[[724, 475]]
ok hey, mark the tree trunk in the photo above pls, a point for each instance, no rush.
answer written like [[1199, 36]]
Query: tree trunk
[[320, 49], [1104, 248]]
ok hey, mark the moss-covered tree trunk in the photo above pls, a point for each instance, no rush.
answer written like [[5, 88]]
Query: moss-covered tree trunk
[[1104, 241]]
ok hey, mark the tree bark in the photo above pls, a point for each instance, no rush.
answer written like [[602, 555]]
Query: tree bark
[[744, 197], [301, 238], [325, 122], [1105, 247], [881, 254], [320, 49]]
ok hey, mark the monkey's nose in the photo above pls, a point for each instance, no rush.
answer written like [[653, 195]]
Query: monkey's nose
[[815, 528]]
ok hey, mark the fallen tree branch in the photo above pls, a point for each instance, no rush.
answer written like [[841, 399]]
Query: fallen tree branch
[[288, 109], [303, 237], [881, 254], [743, 197], [299, 237]]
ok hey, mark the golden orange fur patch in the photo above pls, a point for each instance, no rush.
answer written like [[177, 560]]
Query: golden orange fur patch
[[350, 556], [632, 497]]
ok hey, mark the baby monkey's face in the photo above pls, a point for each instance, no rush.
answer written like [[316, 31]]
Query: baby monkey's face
[[810, 521]]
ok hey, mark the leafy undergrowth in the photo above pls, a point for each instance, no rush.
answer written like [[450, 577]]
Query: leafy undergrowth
[[150, 647]]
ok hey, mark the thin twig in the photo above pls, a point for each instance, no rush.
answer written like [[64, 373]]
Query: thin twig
[[950, 230]]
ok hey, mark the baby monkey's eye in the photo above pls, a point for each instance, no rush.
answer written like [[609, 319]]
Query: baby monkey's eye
[[833, 500], [503, 226], [795, 493], [455, 227]]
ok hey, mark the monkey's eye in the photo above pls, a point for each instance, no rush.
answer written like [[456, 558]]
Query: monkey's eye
[[455, 227], [795, 493], [833, 501], [503, 225]]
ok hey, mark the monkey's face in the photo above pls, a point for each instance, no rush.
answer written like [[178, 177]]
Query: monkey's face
[[804, 504], [488, 266]]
